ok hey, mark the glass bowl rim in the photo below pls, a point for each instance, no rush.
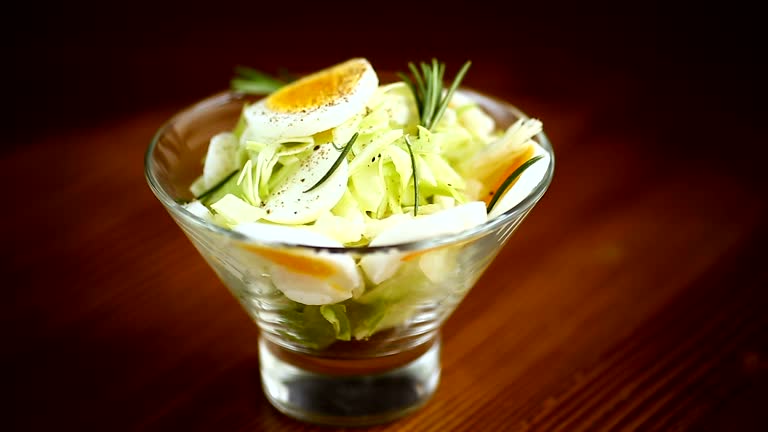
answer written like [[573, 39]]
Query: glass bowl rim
[[225, 97]]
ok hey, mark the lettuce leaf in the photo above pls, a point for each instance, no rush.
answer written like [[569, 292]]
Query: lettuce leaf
[[368, 189], [306, 326], [236, 211], [336, 314], [391, 303]]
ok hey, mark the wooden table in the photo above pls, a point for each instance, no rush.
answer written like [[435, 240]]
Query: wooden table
[[632, 298]]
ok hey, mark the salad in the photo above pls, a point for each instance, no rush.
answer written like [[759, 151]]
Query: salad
[[335, 159]]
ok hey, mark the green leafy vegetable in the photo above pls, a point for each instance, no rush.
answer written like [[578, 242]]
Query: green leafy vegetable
[[366, 318], [307, 326], [336, 314], [509, 180], [236, 211], [392, 302]]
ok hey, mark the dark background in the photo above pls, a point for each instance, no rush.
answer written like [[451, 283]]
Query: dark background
[[686, 82], [689, 78]]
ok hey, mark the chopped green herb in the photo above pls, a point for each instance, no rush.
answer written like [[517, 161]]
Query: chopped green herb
[[427, 89], [216, 187], [415, 177], [509, 180], [252, 81], [336, 164]]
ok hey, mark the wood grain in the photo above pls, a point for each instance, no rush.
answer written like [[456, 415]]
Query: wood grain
[[632, 298], [618, 305]]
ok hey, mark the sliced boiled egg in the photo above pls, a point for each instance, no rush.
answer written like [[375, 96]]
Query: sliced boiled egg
[[221, 158], [524, 184], [315, 103], [198, 209], [382, 266], [293, 203], [303, 275]]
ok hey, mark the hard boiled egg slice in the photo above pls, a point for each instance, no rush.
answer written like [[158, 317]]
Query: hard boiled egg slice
[[524, 184], [221, 158], [303, 275], [293, 203], [381, 266], [315, 103]]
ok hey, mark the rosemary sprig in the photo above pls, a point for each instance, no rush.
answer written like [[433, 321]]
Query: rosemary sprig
[[336, 164], [509, 180], [415, 177], [216, 187], [427, 89], [252, 81]]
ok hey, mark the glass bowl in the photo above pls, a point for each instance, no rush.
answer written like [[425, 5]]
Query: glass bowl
[[369, 359]]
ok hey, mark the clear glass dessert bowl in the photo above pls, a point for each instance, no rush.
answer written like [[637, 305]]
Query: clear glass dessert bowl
[[369, 359]]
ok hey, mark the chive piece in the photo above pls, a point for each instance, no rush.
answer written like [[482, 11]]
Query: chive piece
[[336, 164], [415, 178], [512, 177], [216, 187]]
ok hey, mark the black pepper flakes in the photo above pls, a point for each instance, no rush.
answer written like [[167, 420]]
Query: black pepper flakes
[[317, 147]]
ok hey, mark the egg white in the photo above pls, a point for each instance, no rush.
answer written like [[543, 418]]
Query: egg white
[[293, 203], [221, 158], [297, 281], [268, 123], [382, 266], [524, 185]]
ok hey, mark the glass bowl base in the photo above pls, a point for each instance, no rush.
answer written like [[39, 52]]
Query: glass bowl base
[[348, 399]]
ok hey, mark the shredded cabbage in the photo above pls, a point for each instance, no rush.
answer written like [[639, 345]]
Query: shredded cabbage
[[381, 178], [457, 161], [235, 211]]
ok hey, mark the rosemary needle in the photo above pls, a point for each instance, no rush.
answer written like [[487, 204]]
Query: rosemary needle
[[415, 178], [216, 187], [509, 180], [252, 81], [427, 89], [336, 164], [451, 90]]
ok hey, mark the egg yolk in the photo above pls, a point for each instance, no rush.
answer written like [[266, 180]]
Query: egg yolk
[[322, 88], [516, 163], [298, 263]]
